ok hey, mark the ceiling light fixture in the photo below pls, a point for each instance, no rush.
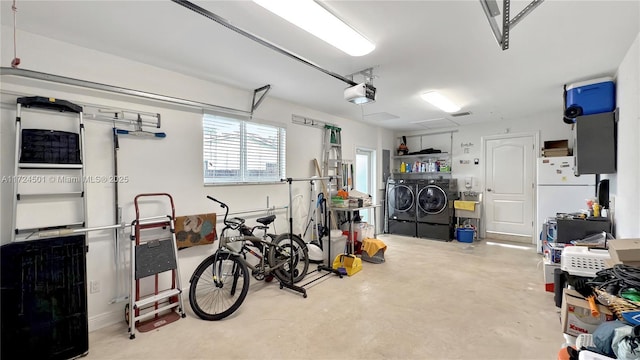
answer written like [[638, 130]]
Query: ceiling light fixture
[[440, 101], [317, 20]]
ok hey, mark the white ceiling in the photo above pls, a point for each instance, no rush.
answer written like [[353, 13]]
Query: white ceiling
[[420, 46]]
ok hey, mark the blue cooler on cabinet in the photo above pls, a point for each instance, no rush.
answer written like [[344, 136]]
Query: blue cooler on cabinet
[[590, 97]]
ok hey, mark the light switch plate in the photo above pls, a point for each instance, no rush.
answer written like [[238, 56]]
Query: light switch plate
[[468, 182]]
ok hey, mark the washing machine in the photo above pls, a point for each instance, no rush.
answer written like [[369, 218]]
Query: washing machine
[[401, 207], [434, 208]]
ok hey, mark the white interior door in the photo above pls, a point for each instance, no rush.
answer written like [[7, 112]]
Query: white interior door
[[509, 184]]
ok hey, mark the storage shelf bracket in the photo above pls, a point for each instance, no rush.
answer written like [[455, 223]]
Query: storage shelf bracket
[[491, 10], [260, 93]]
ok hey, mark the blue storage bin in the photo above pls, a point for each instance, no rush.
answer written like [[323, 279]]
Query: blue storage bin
[[465, 235], [590, 97]]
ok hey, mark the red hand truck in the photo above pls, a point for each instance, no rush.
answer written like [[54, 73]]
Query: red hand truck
[[154, 262]]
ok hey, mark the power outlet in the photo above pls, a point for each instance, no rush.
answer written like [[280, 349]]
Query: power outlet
[[94, 286]]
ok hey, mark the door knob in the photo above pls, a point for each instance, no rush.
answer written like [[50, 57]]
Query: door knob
[[489, 189]]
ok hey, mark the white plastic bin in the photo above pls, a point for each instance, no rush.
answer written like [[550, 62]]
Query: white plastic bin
[[337, 246], [364, 230], [582, 261]]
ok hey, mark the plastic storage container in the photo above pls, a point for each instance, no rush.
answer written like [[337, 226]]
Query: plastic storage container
[[583, 261], [590, 97], [44, 299], [465, 235], [337, 246], [338, 202]]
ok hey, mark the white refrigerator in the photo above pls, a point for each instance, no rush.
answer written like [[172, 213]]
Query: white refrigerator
[[559, 190]]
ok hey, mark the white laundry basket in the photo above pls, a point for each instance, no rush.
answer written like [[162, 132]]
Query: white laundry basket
[[582, 261]]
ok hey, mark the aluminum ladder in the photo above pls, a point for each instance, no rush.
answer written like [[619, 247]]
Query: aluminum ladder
[[49, 181], [332, 152]]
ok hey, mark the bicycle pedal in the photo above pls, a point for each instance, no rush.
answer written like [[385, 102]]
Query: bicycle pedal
[[258, 275]]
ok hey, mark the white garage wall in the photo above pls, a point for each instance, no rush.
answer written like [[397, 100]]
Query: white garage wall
[[172, 165], [624, 184], [548, 126]]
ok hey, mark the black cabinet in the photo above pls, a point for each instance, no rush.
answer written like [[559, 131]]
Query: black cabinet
[[44, 299], [595, 143], [576, 229]]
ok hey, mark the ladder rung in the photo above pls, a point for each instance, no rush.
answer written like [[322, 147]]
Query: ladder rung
[[139, 304], [40, 229], [154, 312], [48, 166], [59, 194]]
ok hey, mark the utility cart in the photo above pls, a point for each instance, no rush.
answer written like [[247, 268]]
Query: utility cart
[[154, 265]]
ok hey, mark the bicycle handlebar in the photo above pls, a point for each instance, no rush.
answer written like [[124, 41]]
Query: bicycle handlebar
[[218, 201], [233, 222]]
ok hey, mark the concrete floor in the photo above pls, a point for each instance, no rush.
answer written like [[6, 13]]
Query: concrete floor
[[429, 300]]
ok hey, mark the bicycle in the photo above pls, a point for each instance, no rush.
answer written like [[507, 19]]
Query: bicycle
[[220, 283]]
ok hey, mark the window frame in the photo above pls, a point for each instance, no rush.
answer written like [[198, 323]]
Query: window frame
[[243, 178]]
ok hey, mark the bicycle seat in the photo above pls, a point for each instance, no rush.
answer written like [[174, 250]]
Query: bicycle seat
[[266, 220], [236, 221]]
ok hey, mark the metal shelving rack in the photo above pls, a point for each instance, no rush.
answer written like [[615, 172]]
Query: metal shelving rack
[[434, 156]]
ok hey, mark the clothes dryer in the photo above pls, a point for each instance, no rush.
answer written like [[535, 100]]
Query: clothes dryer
[[434, 208], [401, 207]]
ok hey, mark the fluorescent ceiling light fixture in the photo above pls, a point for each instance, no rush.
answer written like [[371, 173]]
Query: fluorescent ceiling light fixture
[[440, 101], [312, 17]]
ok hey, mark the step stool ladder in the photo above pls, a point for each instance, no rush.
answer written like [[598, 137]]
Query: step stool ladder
[[153, 260], [332, 164], [49, 171], [332, 152]]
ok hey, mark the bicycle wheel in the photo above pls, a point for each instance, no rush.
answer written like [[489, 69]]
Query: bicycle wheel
[[281, 253], [218, 286]]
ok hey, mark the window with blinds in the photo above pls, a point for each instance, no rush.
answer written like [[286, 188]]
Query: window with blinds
[[239, 151]]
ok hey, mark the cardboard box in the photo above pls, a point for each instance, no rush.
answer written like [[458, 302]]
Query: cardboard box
[[625, 251], [548, 269], [553, 252], [576, 316], [608, 263], [555, 152], [556, 148]]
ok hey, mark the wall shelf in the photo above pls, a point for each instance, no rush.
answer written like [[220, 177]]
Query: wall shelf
[[422, 156], [422, 173], [441, 141]]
